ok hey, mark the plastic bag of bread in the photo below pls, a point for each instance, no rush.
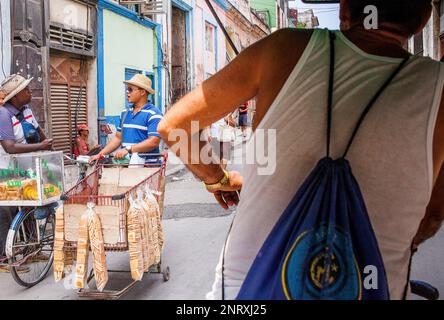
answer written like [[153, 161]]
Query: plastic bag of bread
[[135, 240], [143, 217], [97, 248], [59, 241], [150, 198], [82, 252], [152, 209]]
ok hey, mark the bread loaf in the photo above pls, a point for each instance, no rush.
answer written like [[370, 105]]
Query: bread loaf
[[98, 250], [153, 234], [59, 240], [144, 236], [135, 243], [82, 252]]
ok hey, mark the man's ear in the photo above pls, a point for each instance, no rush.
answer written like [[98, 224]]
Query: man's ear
[[344, 15]]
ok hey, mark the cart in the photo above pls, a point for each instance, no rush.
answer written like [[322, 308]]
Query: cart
[[109, 187], [30, 184]]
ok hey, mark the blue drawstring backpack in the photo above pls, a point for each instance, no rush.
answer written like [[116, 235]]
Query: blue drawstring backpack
[[323, 245]]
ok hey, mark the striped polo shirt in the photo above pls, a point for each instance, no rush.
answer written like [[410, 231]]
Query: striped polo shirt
[[10, 127], [140, 126]]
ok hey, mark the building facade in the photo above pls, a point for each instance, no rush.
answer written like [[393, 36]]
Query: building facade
[[244, 26], [5, 33], [127, 44], [430, 42], [274, 13]]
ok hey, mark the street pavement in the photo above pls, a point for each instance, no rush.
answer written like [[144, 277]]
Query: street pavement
[[195, 230]]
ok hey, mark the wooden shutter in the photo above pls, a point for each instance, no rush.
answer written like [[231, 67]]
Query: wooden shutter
[[68, 98]]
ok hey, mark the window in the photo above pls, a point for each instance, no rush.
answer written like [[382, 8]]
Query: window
[[418, 44], [209, 37]]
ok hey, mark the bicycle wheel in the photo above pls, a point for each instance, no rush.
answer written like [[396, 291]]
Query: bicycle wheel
[[31, 248]]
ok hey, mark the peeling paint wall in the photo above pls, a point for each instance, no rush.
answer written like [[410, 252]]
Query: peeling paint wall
[[120, 51], [5, 38], [208, 62]]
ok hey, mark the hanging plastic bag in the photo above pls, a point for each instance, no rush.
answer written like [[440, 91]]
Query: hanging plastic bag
[[82, 252], [135, 240], [97, 248]]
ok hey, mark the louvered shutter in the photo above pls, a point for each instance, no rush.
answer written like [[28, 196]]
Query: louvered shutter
[[59, 117], [68, 101]]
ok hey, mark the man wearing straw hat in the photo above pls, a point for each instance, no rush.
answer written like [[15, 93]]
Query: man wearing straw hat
[[19, 133], [137, 131]]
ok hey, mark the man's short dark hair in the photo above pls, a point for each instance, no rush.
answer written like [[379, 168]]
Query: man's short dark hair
[[409, 14]]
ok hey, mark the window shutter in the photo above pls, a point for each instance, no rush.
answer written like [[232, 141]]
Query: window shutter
[[68, 101]]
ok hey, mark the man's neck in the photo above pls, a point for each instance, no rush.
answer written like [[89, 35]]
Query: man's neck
[[139, 105], [393, 43], [19, 108]]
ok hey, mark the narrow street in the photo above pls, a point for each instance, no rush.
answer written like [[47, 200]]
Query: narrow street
[[195, 230]]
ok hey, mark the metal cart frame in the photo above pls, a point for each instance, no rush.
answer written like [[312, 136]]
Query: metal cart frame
[[87, 190]]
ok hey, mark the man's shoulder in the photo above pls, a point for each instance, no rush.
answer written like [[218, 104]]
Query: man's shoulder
[[153, 110], [4, 111]]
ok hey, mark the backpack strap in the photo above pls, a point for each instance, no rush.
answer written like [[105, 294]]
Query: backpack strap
[[366, 110], [123, 121]]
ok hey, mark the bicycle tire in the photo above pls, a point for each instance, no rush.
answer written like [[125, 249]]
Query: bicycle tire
[[14, 270]]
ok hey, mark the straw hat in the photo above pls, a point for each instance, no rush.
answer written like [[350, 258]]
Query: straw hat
[[141, 81], [13, 85]]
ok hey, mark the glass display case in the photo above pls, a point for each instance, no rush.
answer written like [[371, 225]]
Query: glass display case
[[31, 179]]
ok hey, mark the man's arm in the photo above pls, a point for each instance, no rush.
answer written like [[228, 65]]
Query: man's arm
[[42, 134], [10, 146], [115, 143], [254, 72], [211, 101], [434, 216], [147, 145]]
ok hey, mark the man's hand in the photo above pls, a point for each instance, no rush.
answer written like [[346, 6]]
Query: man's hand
[[427, 229], [121, 154], [97, 157], [46, 144], [229, 195]]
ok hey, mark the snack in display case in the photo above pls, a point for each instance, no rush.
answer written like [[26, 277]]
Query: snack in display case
[[31, 178]]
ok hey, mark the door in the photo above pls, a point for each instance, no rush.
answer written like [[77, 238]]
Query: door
[[68, 100], [179, 55], [27, 23]]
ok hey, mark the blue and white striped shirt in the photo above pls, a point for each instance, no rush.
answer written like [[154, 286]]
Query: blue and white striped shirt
[[140, 126]]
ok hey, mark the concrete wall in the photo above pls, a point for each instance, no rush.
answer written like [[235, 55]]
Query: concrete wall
[[71, 13], [5, 58], [92, 102], [127, 44], [204, 62]]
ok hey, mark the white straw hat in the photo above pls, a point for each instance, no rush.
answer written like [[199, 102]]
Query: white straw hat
[[13, 85], [141, 81]]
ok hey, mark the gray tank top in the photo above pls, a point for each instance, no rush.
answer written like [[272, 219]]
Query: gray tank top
[[391, 156]]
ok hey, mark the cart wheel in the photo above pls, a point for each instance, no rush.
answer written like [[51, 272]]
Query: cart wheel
[[31, 248], [166, 274]]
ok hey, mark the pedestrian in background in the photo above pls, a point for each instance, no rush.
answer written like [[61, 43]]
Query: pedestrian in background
[[243, 119]]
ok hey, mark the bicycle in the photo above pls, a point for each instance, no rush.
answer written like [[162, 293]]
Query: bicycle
[[30, 240]]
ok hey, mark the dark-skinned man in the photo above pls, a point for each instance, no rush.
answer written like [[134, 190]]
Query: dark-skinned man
[[19, 133]]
